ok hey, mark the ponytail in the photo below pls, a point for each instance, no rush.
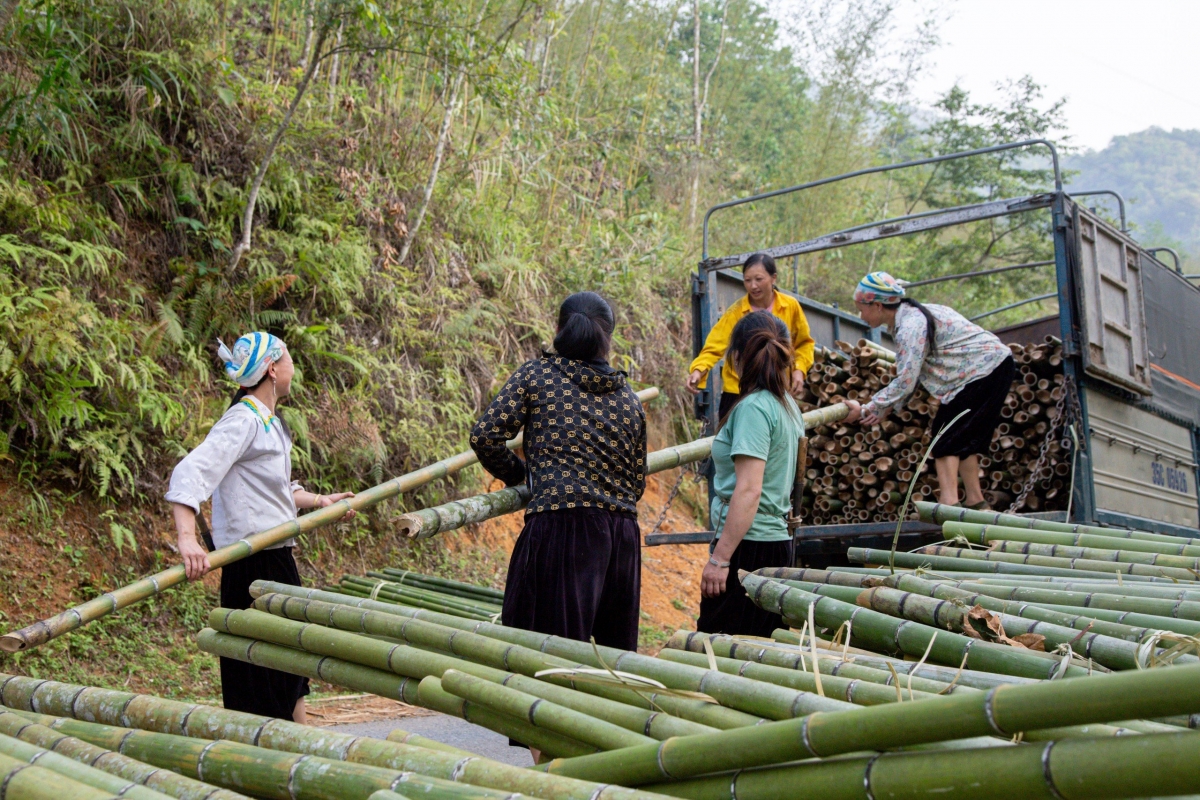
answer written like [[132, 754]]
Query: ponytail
[[585, 327], [930, 322], [761, 348]]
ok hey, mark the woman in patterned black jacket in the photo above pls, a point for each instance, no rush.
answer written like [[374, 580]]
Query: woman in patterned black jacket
[[576, 568]]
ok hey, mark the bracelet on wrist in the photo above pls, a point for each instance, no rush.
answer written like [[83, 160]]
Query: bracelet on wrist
[[715, 563]]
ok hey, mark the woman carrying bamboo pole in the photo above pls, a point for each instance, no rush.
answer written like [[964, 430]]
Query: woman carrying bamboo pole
[[754, 460], [965, 367], [759, 277], [244, 464], [576, 568]]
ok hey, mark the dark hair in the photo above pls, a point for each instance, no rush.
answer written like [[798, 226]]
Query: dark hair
[[761, 348], [930, 323], [585, 326], [760, 260]]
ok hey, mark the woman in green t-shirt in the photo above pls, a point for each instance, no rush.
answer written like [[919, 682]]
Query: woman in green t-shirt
[[754, 456]]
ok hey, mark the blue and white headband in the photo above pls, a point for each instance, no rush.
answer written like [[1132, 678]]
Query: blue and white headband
[[251, 355], [879, 287]]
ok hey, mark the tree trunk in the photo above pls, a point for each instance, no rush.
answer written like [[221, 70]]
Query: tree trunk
[[333, 67], [243, 246], [309, 13]]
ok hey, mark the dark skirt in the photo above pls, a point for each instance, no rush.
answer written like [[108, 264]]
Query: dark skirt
[[577, 573], [733, 612], [248, 687], [972, 435]]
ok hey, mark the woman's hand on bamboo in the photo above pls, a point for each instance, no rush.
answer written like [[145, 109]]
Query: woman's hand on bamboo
[[855, 411], [195, 557], [326, 500], [798, 383]]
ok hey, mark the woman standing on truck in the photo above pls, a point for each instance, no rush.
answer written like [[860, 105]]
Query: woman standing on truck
[[965, 367], [754, 462], [759, 278], [245, 465], [576, 568]]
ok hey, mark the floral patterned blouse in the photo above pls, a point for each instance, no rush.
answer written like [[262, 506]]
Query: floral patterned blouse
[[965, 352]]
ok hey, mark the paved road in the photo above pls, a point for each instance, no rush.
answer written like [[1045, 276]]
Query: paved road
[[449, 730]]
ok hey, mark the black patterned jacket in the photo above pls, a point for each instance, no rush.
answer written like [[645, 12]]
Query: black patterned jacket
[[585, 436]]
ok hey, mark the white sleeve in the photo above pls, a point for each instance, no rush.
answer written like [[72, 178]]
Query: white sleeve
[[200, 472], [911, 339]]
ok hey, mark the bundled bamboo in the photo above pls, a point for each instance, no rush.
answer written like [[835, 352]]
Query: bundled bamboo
[[69, 768], [952, 559], [986, 534], [47, 629], [23, 781], [858, 474]]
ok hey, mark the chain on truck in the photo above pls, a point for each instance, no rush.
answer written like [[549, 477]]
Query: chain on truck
[[1129, 326]]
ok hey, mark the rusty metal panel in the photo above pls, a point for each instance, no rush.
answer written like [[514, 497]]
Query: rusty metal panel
[[1142, 464], [1112, 306]]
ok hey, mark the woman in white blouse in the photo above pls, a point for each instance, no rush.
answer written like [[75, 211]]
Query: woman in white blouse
[[245, 465], [969, 371]]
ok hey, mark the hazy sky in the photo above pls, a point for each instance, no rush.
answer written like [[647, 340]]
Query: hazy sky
[[1123, 65]]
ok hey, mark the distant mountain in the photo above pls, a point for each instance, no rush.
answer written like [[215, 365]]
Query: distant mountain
[[1158, 172]]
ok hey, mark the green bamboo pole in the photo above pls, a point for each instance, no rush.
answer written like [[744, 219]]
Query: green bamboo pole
[[450, 516], [952, 561], [540, 712], [385, 794], [699, 711], [852, 690], [22, 781], [986, 534], [1090, 564], [406, 737], [464, 598], [1075, 617], [774, 702], [522, 661], [1148, 622], [976, 679], [432, 695], [15, 724], [147, 712], [373, 579], [267, 773], [936, 512], [893, 636], [386, 596], [1088, 769], [1122, 589], [445, 585], [755, 651], [69, 768], [1108, 651], [67, 621], [1098, 554], [375, 588], [1159, 608], [814, 576], [1002, 711]]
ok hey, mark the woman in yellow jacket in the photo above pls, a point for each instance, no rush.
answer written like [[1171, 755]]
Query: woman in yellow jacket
[[758, 276]]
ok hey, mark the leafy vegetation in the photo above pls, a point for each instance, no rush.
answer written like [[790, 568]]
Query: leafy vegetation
[[404, 192], [1158, 172]]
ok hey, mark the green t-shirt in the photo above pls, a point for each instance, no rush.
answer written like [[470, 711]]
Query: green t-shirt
[[759, 426]]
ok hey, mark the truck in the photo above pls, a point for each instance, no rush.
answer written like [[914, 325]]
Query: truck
[[1129, 325]]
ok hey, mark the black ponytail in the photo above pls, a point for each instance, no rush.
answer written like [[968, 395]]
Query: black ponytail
[[930, 322], [585, 327]]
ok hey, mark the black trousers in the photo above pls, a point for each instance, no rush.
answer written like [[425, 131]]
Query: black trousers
[[982, 399], [577, 573], [733, 612], [248, 687], [727, 401]]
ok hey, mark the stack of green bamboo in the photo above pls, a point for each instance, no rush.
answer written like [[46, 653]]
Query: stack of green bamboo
[[414, 589], [714, 716]]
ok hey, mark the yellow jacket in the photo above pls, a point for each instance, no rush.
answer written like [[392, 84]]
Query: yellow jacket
[[786, 307]]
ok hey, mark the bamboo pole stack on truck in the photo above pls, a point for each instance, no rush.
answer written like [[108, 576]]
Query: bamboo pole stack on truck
[[860, 475], [44, 630]]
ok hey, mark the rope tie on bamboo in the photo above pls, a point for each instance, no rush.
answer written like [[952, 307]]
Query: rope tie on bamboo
[[816, 658], [375, 591], [949, 688], [803, 663], [1067, 655], [837, 638], [1148, 656], [610, 677], [920, 664]]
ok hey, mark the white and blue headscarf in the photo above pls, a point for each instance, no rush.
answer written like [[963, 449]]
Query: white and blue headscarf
[[879, 287], [252, 354]]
